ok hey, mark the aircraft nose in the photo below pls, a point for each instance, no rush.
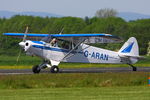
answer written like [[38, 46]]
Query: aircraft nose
[[25, 45], [22, 44]]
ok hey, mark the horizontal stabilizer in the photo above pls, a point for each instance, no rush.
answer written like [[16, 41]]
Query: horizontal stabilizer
[[137, 57]]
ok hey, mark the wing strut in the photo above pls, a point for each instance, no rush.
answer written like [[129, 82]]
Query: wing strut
[[79, 51], [73, 49]]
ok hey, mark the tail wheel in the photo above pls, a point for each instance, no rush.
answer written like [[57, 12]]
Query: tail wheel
[[36, 69], [54, 69], [134, 69]]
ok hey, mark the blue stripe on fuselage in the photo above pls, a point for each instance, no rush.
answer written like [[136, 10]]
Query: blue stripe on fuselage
[[54, 49], [48, 48], [38, 42]]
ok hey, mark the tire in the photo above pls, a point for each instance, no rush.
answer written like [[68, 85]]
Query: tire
[[54, 69], [134, 69], [35, 69]]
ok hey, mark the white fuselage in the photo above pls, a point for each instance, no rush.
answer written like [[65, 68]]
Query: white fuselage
[[83, 54]]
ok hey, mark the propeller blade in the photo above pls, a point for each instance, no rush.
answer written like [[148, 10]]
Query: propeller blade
[[25, 34], [18, 56], [61, 31]]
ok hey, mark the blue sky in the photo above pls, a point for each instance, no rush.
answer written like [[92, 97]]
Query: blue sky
[[79, 8]]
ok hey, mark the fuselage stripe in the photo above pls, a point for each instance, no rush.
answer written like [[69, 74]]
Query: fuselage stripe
[[53, 49]]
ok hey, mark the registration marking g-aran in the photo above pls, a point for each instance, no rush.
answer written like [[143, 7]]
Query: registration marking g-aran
[[96, 55]]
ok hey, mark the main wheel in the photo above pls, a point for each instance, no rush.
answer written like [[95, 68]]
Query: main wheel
[[36, 69], [54, 69]]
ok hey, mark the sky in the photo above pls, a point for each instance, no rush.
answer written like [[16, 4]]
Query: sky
[[78, 8]]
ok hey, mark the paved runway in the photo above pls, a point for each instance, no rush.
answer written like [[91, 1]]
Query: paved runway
[[75, 70]]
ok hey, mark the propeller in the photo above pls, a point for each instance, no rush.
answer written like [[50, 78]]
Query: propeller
[[22, 43], [18, 55]]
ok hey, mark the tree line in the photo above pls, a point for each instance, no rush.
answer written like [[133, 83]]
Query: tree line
[[74, 25]]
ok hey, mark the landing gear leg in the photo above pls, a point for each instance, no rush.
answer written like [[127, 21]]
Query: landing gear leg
[[133, 67]]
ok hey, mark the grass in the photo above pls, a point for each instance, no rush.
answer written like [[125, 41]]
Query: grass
[[73, 80], [25, 62], [82, 86], [81, 93]]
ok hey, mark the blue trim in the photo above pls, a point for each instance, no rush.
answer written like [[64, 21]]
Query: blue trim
[[60, 35], [128, 48], [53, 49], [22, 34], [38, 42]]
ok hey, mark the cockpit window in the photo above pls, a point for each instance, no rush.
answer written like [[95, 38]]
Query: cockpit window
[[47, 39], [62, 44], [66, 45]]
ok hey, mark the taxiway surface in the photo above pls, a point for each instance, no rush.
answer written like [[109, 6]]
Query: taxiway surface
[[75, 70]]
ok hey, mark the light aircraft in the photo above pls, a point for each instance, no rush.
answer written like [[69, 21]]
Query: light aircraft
[[56, 48]]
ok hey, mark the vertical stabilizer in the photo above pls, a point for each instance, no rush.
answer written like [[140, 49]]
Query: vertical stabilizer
[[130, 48]]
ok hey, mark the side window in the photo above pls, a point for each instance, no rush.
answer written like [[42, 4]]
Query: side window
[[65, 44]]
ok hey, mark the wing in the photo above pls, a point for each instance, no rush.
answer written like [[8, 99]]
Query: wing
[[90, 38], [31, 36], [75, 38]]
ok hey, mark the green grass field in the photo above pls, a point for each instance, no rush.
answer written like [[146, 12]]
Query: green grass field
[[70, 80], [81, 86], [101, 93], [72, 86]]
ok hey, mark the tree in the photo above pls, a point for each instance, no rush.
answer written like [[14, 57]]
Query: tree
[[72, 25], [87, 20], [106, 12], [148, 50]]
